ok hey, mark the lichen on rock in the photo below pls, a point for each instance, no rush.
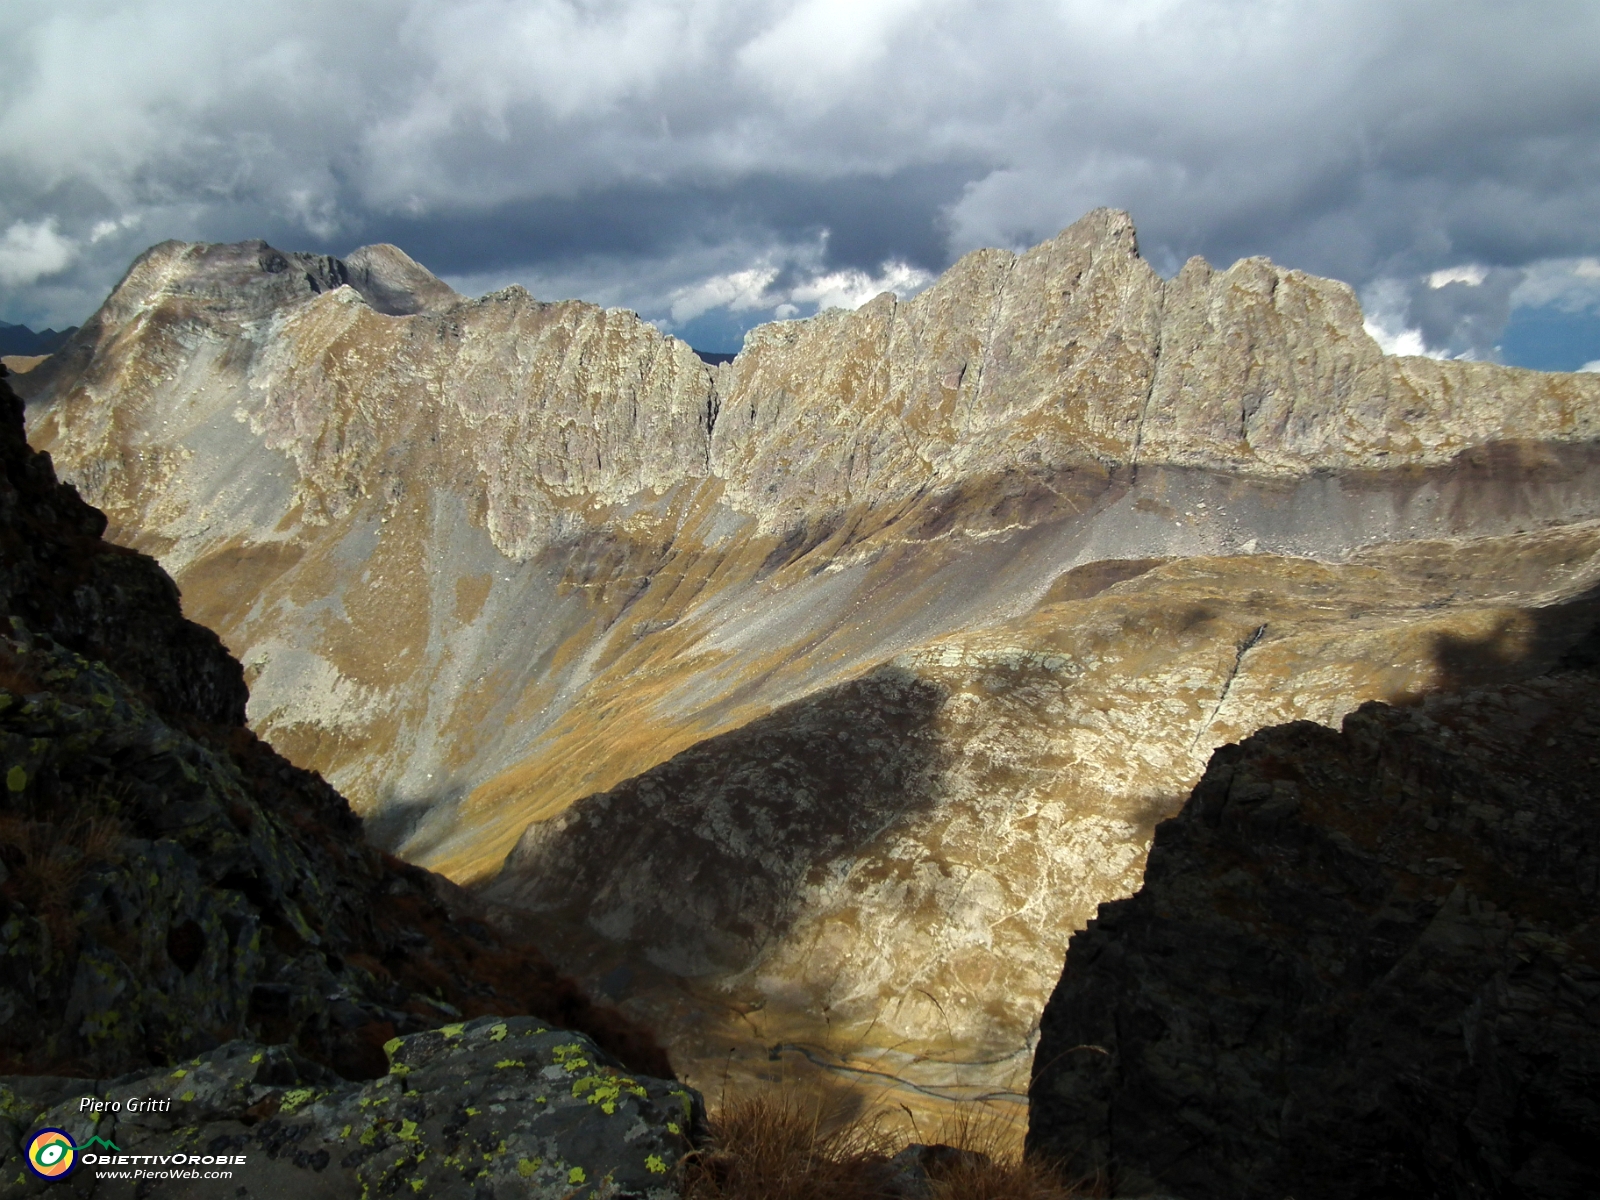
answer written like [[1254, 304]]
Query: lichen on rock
[[491, 1107]]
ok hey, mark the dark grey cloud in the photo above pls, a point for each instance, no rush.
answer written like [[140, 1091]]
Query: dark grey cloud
[[777, 154], [1464, 315], [869, 218]]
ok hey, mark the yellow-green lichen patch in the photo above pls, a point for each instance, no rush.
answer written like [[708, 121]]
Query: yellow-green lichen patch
[[570, 1058], [296, 1097], [654, 1165], [576, 1176], [506, 1063], [451, 1031], [606, 1090], [688, 1105], [408, 1131], [497, 1033], [392, 1045], [527, 1166]]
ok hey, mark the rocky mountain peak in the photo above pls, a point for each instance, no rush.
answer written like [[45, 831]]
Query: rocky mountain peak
[[393, 282]]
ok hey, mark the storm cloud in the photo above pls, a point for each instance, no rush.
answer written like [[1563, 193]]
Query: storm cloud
[[713, 163]]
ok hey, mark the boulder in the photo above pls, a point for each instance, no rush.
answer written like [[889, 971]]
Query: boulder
[[486, 1108]]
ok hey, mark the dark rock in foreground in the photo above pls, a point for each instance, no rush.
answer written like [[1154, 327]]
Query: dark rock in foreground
[[485, 1109], [1363, 964]]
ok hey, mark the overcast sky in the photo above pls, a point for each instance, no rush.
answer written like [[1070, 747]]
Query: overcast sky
[[718, 163]]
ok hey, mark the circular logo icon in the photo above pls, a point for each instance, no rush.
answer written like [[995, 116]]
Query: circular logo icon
[[52, 1154]]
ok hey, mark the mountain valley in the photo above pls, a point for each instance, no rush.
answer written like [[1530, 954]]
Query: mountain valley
[[813, 700]]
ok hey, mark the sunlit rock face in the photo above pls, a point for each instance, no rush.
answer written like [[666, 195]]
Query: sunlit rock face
[[824, 693]]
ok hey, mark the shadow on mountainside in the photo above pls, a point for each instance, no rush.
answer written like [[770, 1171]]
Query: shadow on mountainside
[[1533, 641], [700, 862]]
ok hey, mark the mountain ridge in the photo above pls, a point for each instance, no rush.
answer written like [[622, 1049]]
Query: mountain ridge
[[492, 561]]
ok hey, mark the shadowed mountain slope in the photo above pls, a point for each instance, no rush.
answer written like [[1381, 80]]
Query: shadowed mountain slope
[[168, 882]]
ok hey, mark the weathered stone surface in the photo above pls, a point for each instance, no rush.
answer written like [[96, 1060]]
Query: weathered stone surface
[[486, 1108], [1363, 964], [491, 559], [60, 577]]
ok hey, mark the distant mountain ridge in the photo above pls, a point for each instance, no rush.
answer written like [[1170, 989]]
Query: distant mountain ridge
[[20, 340]]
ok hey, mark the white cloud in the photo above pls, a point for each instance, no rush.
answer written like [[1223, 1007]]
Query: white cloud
[[1593, 365], [105, 229], [1384, 303], [814, 47], [737, 291], [1571, 284], [852, 289], [752, 290], [29, 252], [1471, 275], [1401, 341]]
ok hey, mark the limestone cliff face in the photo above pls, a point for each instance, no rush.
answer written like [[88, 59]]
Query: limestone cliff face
[[487, 559], [1077, 353]]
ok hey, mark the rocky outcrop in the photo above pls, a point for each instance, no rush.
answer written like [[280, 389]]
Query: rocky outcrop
[[167, 882], [484, 1108], [1363, 963], [492, 563]]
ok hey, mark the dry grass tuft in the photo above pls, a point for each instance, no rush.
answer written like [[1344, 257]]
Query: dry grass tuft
[[994, 1167], [1008, 1178], [46, 860], [779, 1145]]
